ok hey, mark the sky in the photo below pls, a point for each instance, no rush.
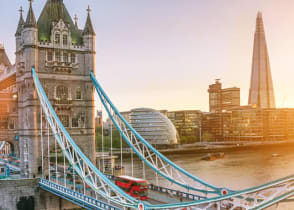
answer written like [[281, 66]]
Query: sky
[[164, 54]]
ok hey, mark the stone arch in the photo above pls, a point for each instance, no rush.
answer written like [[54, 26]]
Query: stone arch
[[14, 150]]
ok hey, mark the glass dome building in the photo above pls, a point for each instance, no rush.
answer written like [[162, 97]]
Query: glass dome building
[[153, 126]]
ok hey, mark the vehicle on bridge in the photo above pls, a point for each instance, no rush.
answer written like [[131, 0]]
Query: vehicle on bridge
[[135, 187]]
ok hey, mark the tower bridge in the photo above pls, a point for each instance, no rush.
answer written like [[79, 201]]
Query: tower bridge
[[48, 115]]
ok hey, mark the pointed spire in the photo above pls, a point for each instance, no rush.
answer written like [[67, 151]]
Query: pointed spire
[[89, 30], [31, 20], [259, 23], [20, 23], [261, 93], [76, 20]]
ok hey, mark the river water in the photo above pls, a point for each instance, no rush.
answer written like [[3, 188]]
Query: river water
[[238, 170]]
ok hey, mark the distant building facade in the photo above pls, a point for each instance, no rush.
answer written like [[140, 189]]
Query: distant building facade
[[153, 126], [222, 99], [188, 124], [98, 119], [253, 124]]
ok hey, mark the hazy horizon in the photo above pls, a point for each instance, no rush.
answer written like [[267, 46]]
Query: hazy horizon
[[164, 54]]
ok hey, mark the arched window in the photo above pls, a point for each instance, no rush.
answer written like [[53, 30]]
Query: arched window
[[57, 38], [78, 93], [65, 40], [62, 92]]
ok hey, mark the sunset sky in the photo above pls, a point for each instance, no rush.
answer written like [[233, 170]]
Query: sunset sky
[[164, 54]]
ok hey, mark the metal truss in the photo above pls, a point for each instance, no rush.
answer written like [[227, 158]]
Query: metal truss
[[89, 174], [80, 199], [260, 197], [2, 145], [150, 156], [216, 198], [253, 198]]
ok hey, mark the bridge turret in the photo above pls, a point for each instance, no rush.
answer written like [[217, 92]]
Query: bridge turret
[[89, 43], [19, 29], [30, 29], [89, 33], [27, 108]]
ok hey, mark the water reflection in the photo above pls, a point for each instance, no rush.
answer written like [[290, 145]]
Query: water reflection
[[238, 170]]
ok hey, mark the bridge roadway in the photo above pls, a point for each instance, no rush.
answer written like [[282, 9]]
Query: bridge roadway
[[156, 194]]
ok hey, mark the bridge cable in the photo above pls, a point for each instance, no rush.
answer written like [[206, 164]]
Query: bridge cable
[[111, 148], [64, 173], [132, 154], [74, 178], [56, 167], [102, 140], [49, 173], [156, 174], [121, 156], [143, 164], [42, 152]]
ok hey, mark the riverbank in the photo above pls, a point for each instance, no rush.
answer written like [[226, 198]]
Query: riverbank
[[208, 147]]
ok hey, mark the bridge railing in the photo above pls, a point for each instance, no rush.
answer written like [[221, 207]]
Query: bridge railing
[[77, 197]]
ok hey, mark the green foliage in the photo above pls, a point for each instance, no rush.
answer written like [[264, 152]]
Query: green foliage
[[206, 136], [107, 139], [187, 139]]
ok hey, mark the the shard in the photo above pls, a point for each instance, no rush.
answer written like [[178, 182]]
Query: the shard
[[261, 93]]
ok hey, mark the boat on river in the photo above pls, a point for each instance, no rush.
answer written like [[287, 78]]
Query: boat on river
[[213, 156]]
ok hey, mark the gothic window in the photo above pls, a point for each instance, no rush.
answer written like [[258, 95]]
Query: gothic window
[[49, 56], [65, 57], [58, 57], [75, 122], [64, 120], [11, 125], [57, 38], [62, 92], [65, 40], [78, 93], [73, 58]]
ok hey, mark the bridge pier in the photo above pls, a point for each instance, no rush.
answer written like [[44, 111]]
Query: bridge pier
[[24, 194]]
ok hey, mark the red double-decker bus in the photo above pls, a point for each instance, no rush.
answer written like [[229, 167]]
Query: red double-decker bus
[[135, 187]]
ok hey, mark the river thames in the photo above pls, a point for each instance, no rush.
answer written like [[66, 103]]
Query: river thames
[[238, 170]]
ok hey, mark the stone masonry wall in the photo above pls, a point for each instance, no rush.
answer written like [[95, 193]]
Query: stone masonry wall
[[25, 194]]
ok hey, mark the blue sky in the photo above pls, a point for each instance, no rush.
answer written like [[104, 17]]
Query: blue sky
[[164, 54]]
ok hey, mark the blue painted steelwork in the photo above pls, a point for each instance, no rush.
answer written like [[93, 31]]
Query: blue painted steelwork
[[7, 171], [246, 196], [53, 118], [75, 197], [216, 200], [11, 165], [105, 100], [176, 193]]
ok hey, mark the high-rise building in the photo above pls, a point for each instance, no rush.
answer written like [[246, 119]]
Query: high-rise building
[[222, 99], [261, 93]]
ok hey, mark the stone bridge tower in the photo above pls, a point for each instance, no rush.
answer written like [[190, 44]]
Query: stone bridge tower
[[63, 56]]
